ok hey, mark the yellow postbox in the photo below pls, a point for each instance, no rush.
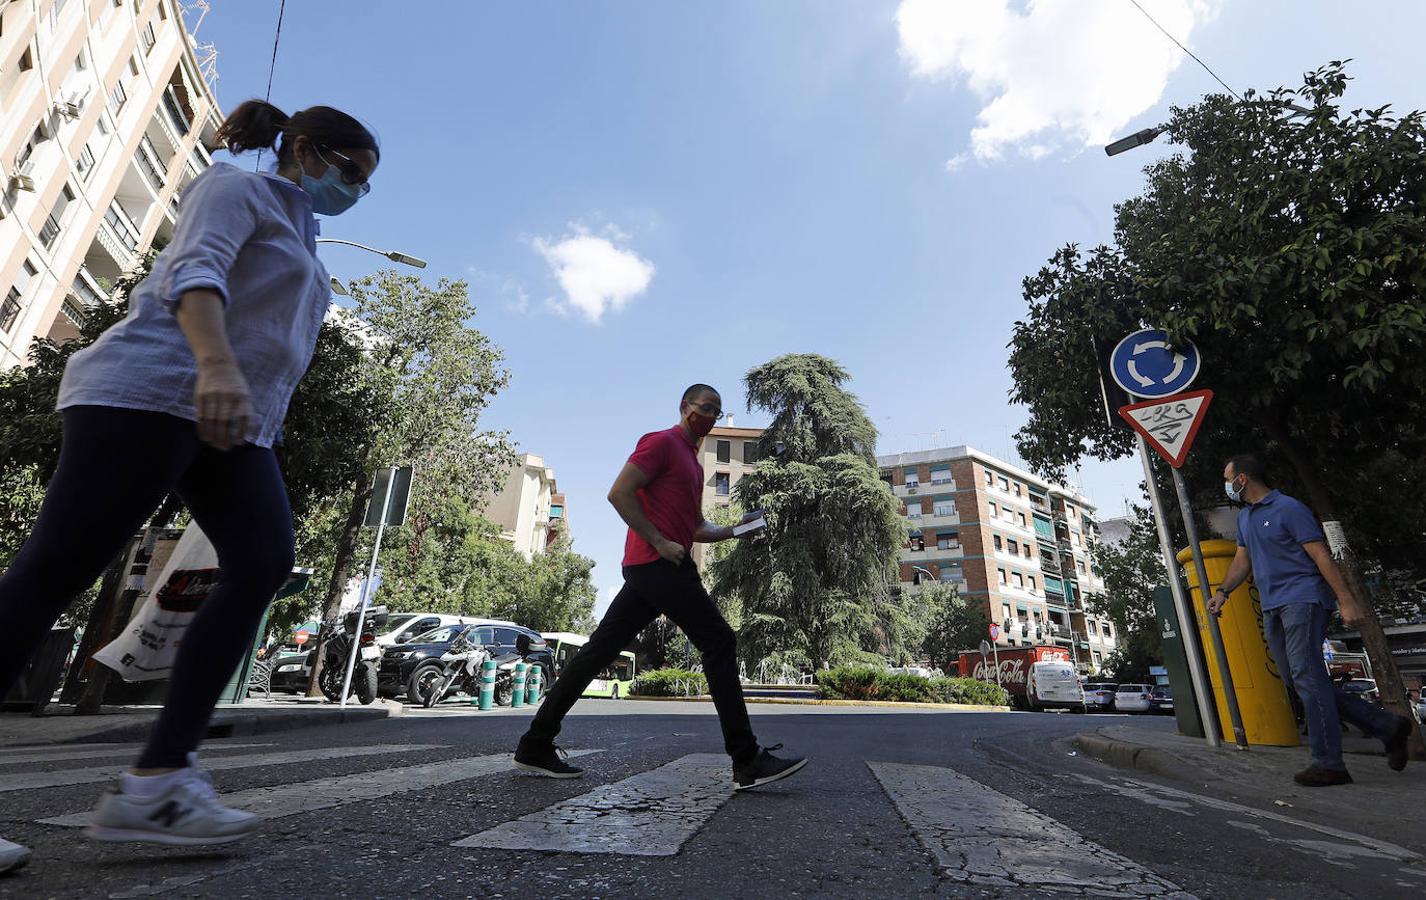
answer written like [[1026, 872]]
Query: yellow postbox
[[1262, 696]]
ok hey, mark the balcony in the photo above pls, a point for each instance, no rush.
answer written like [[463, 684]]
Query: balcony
[[910, 489], [176, 115], [931, 520], [87, 289], [147, 161]]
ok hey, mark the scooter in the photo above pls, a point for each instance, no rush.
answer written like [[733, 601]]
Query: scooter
[[338, 649], [461, 665]]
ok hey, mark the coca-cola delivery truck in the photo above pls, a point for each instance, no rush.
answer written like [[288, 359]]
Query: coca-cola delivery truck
[[1040, 677]]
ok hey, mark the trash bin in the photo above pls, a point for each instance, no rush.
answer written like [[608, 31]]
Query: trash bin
[[1262, 696], [1185, 706]]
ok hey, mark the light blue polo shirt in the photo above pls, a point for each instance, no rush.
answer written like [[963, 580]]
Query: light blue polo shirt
[[1273, 530]]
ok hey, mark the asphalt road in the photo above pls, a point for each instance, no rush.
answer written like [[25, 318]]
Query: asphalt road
[[893, 804]]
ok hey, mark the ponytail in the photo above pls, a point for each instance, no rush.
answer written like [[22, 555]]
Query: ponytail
[[254, 125]]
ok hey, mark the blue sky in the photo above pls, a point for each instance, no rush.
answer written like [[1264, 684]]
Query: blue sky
[[644, 195]]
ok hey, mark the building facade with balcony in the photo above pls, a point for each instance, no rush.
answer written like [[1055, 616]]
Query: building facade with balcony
[[530, 510], [105, 117], [1003, 537]]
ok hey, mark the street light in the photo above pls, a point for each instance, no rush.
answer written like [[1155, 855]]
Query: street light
[[393, 255], [1137, 139]]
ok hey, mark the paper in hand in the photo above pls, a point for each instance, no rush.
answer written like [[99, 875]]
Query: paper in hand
[[749, 527]]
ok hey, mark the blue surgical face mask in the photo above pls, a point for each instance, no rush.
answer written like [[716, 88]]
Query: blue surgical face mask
[[330, 195], [1235, 495]]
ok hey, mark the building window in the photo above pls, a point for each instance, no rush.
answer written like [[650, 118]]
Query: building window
[[721, 484], [49, 232], [1002, 575], [989, 478], [36, 138], [117, 98], [556, 512], [149, 38], [941, 475], [1017, 489], [750, 453], [27, 60], [996, 539], [1019, 579], [945, 507], [913, 509], [1107, 632], [81, 62], [994, 510], [123, 227], [912, 478], [10, 306], [948, 540], [949, 574], [725, 451], [1014, 546], [1032, 583], [85, 162], [1023, 523], [917, 542], [1097, 657], [1079, 564], [1004, 483]]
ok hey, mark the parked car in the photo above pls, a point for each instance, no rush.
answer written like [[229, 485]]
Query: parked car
[[1363, 687], [1099, 696], [291, 669], [1133, 698], [402, 628], [401, 671], [1419, 706], [1161, 700]]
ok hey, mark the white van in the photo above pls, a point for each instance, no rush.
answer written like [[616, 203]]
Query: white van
[[1054, 684]]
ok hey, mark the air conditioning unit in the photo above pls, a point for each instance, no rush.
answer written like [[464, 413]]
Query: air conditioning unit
[[70, 106], [22, 179], [911, 487]]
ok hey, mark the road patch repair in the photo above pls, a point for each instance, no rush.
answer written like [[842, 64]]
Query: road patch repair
[[982, 837], [653, 813]]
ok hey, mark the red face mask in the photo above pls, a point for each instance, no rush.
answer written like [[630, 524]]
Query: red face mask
[[700, 424]]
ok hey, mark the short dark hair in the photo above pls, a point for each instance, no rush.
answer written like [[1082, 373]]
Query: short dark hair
[[1249, 464], [698, 390], [257, 125]]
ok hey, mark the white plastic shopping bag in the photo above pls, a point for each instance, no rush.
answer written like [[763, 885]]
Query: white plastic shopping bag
[[148, 645]]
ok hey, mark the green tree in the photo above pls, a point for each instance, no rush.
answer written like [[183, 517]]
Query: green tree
[[1131, 570], [1288, 245], [953, 624], [559, 595], [817, 583]]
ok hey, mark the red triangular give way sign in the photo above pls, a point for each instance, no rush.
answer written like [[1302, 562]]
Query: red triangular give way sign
[[1169, 424]]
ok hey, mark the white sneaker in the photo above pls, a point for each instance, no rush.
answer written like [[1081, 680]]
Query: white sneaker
[[12, 856], [187, 813]]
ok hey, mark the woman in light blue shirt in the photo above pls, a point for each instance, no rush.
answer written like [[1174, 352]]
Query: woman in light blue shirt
[[187, 394]]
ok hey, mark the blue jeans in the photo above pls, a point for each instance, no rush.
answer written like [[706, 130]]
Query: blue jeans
[[1295, 633]]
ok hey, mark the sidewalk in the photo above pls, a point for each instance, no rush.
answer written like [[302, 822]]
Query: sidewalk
[[131, 723], [1381, 802]]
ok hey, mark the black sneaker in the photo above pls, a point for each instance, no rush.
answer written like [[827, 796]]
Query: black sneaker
[[765, 769], [1316, 776], [548, 760], [1396, 745]]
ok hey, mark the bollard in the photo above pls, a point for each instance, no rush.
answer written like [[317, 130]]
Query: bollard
[[487, 684], [517, 698], [533, 683]]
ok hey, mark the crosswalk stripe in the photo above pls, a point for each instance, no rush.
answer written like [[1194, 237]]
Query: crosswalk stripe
[[650, 814], [982, 837], [325, 793], [66, 752], [32, 780]]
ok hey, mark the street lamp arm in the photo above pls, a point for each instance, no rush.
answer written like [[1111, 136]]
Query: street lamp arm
[[393, 255]]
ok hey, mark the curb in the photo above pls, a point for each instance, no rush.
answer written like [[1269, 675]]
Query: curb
[[1125, 755], [788, 701], [244, 723]]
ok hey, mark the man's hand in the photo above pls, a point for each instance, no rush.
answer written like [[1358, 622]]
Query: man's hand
[[672, 551], [223, 404], [1351, 611], [1217, 602]]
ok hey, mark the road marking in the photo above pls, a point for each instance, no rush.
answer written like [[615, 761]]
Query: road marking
[[32, 780], [67, 752], [653, 813], [1145, 791], [283, 800], [980, 836]]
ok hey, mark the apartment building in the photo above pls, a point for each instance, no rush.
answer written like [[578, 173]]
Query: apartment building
[[726, 454], [1006, 538], [105, 116], [530, 509]]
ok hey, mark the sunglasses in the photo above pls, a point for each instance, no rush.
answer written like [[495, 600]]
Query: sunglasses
[[351, 172]]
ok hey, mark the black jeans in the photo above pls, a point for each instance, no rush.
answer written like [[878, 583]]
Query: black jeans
[[115, 467], [677, 592]]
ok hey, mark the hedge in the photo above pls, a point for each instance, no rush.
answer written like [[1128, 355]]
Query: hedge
[[861, 683], [670, 683]]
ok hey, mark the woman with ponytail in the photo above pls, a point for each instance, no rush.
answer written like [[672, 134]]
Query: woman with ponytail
[[187, 394]]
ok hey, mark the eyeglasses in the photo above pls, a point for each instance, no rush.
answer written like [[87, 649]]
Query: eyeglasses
[[708, 409], [351, 172]]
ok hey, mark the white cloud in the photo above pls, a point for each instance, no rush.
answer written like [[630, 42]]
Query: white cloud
[[598, 273], [1050, 73]]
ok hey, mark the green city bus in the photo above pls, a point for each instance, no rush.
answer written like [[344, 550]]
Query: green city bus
[[614, 681]]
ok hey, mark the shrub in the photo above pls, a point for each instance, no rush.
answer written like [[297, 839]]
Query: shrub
[[670, 683], [863, 683]]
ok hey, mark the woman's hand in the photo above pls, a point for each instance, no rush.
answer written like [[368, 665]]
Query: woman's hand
[[223, 403]]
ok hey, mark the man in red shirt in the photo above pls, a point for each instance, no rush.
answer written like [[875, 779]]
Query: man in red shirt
[[659, 493]]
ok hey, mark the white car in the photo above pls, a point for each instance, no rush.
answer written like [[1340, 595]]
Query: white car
[[402, 627], [1132, 698]]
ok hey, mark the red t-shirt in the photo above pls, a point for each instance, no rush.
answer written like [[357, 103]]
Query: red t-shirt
[[673, 498]]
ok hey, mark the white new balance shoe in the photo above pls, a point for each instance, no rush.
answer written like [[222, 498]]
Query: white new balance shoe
[[12, 856], [186, 812]]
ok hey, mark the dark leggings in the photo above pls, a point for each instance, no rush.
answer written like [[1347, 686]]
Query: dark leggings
[[115, 467]]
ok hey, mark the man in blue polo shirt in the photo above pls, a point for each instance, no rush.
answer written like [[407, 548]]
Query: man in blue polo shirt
[[1281, 546]]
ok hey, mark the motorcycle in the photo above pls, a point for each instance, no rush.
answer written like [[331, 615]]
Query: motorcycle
[[338, 650], [461, 665]]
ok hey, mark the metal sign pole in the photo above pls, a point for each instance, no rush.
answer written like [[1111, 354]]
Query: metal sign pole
[[1191, 530], [366, 586], [995, 649], [1197, 672]]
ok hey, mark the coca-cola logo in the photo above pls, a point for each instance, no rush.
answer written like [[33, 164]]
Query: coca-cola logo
[[1012, 671]]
